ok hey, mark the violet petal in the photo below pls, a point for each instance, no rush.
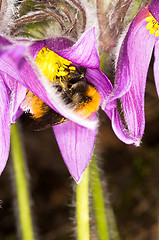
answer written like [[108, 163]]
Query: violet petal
[[4, 42], [16, 51], [54, 44], [17, 95], [134, 57], [153, 7], [132, 68], [4, 124], [35, 48], [156, 68], [84, 52], [103, 86], [58, 44], [76, 144], [118, 127]]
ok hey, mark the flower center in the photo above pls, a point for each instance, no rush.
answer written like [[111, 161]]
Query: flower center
[[152, 25], [70, 82]]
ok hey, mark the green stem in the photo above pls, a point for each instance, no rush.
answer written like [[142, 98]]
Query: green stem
[[98, 201], [103, 59], [134, 10], [82, 207], [24, 210]]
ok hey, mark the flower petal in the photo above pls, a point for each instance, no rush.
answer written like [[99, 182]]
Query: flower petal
[[17, 95], [128, 132], [120, 130], [154, 9], [4, 125], [130, 79], [76, 144], [58, 44], [16, 51], [132, 107], [84, 52], [102, 84], [134, 57], [17, 54], [4, 42], [54, 44], [156, 68], [36, 47]]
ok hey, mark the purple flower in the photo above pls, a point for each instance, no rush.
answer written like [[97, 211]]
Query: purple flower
[[131, 72], [12, 93], [76, 136]]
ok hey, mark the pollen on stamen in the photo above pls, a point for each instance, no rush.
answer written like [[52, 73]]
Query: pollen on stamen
[[149, 25], [148, 19], [157, 33], [51, 64], [72, 68], [152, 25]]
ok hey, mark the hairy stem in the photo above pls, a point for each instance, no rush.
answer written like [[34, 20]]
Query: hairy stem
[[98, 201], [82, 207], [24, 211]]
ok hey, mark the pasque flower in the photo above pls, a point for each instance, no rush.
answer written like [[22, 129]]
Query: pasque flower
[[44, 76], [134, 57], [12, 93]]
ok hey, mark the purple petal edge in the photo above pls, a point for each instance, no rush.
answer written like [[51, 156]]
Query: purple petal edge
[[76, 144], [130, 79], [153, 8], [4, 125], [156, 68], [119, 129], [84, 52]]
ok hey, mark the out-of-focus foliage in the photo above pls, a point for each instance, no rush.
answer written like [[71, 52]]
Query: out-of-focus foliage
[[43, 19]]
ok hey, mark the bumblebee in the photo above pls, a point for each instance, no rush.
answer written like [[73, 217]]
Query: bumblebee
[[74, 90]]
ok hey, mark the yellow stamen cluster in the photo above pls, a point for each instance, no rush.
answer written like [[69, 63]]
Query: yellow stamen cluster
[[52, 65], [152, 25]]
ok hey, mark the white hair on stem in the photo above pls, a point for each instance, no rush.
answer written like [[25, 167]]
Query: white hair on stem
[[7, 13], [91, 15]]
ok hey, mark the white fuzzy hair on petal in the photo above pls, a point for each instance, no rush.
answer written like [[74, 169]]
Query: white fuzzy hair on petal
[[119, 43]]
